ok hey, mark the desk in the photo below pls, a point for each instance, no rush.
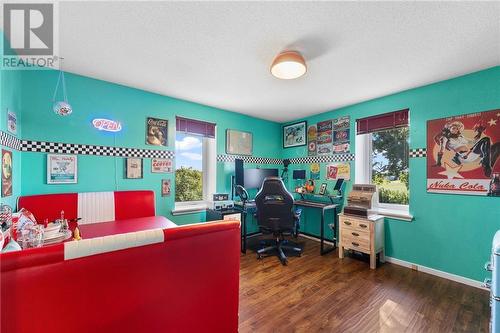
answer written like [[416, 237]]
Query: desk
[[93, 230], [324, 207], [229, 214]]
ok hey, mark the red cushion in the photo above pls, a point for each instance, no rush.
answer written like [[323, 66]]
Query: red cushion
[[164, 287], [134, 204], [49, 206]]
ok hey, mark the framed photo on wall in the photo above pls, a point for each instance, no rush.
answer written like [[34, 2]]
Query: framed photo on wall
[[62, 169], [294, 135], [133, 168], [239, 142], [156, 132]]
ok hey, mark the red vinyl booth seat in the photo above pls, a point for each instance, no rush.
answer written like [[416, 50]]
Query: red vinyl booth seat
[[186, 283], [127, 205]]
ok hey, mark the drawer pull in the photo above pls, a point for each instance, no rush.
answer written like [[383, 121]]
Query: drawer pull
[[355, 234], [355, 244], [347, 223], [363, 226]]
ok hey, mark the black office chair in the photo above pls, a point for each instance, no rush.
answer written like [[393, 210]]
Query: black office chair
[[275, 215]]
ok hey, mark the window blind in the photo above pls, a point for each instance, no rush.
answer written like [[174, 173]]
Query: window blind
[[381, 122], [197, 127]]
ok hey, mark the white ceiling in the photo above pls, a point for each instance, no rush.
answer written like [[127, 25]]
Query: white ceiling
[[218, 53]]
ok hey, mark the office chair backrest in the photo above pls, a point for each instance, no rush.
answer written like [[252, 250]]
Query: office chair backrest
[[274, 206]]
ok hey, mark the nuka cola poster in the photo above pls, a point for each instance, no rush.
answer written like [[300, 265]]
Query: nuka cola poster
[[463, 154]]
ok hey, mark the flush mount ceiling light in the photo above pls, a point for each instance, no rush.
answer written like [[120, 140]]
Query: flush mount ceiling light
[[288, 65]]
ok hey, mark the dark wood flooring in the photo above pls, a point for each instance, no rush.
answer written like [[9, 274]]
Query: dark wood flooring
[[326, 294]]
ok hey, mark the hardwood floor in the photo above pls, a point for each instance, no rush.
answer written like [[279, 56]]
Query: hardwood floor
[[326, 294]]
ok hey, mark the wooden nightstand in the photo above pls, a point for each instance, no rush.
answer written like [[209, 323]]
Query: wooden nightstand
[[362, 234]]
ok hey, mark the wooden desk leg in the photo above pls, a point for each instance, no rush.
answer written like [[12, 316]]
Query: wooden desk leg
[[373, 260], [341, 251]]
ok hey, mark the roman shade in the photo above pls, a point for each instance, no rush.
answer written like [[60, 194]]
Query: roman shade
[[381, 122], [197, 127]]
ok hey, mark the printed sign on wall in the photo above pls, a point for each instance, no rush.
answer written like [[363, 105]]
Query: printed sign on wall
[[338, 170], [324, 139], [156, 132], [341, 135], [6, 173], [312, 132], [62, 169], [161, 165], [12, 122], [463, 154]]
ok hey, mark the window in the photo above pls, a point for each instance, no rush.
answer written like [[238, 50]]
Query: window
[[189, 167], [195, 155], [382, 156], [390, 165]]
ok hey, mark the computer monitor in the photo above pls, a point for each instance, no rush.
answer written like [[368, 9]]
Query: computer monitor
[[253, 178], [299, 174]]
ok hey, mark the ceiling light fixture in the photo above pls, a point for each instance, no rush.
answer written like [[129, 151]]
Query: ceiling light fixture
[[288, 65]]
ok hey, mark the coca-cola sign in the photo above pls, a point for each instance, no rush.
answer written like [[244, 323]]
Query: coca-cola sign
[[107, 125]]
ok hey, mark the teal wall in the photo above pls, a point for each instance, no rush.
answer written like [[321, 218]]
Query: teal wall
[[91, 99], [451, 233], [10, 100]]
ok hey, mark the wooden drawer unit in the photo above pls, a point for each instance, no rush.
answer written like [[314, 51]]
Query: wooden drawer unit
[[363, 235]]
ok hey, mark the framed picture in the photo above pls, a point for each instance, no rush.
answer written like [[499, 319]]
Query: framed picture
[[133, 168], [165, 187], [156, 132], [239, 142], [322, 189], [6, 173], [161, 165], [62, 169], [294, 135]]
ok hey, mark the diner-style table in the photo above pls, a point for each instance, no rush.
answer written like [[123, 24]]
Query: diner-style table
[[93, 230]]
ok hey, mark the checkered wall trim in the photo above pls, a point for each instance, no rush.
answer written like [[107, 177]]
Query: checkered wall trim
[[249, 159], [70, 148], [10, 141], [295, 160], [418, 152], [322, 159]]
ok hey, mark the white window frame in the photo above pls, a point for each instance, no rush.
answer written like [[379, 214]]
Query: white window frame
[[363, 175], [209, 174]]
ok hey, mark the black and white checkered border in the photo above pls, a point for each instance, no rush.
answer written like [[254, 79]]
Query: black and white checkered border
[[418, 152], [249, 159], [81, 149], [295, 160], [322, 159], [10, 141]]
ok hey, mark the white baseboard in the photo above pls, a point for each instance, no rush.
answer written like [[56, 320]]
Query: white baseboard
[[432, 271]]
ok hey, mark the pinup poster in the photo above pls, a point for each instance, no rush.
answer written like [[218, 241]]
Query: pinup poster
[[156, 132], [463, 154]]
